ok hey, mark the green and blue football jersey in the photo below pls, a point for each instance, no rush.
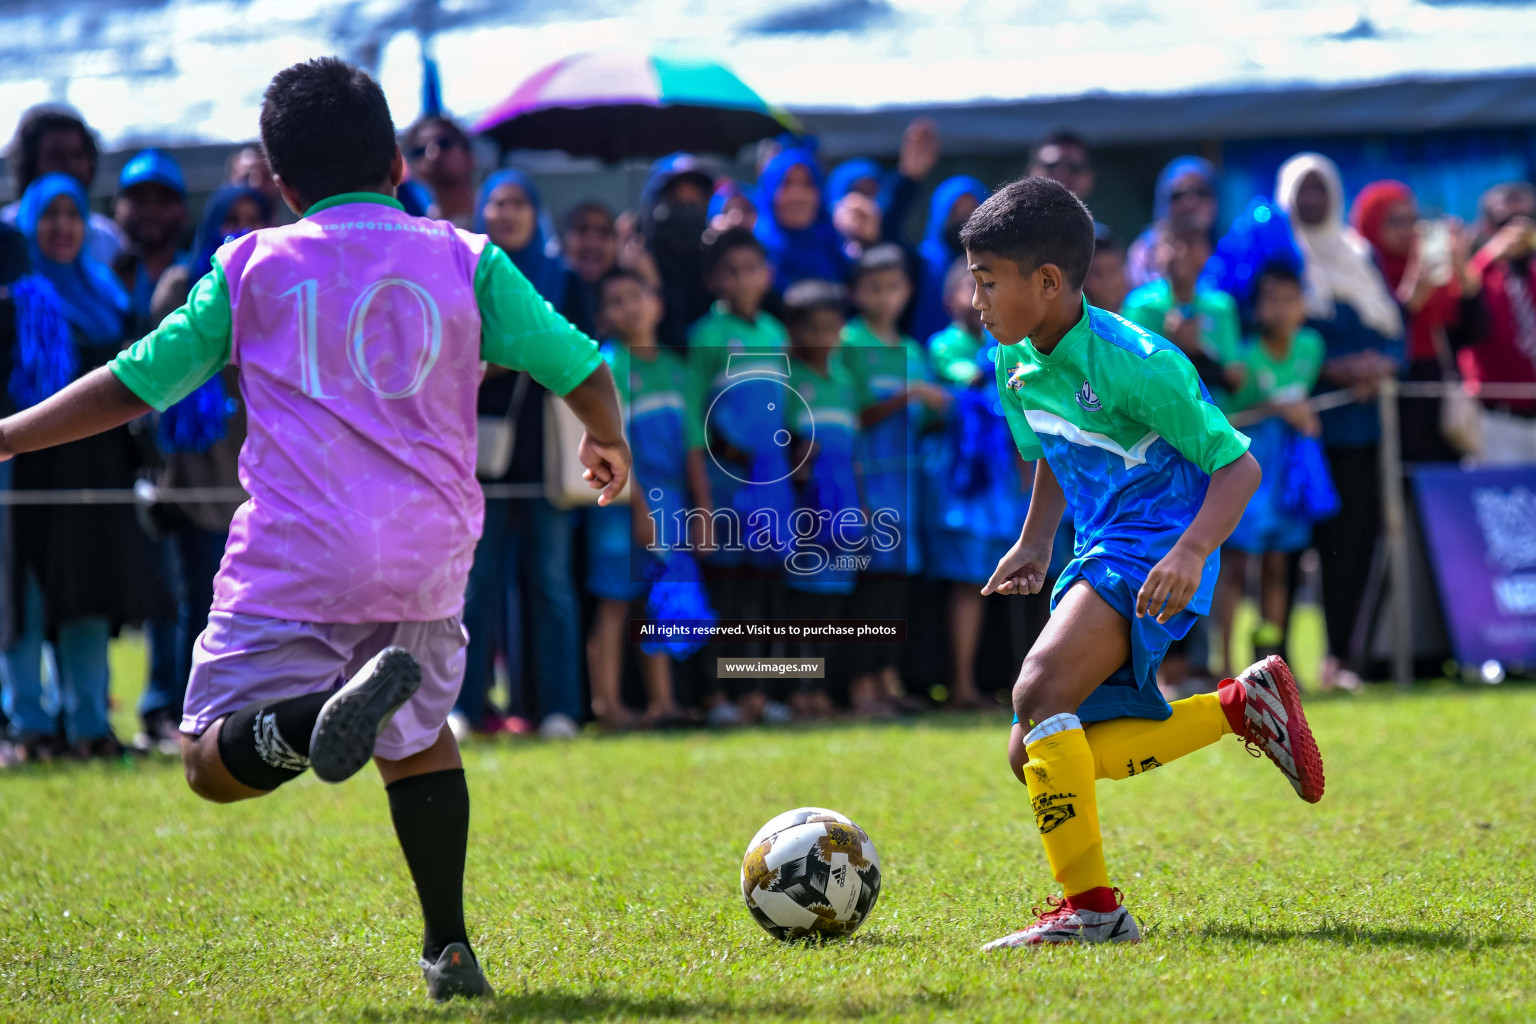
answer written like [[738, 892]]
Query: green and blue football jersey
[[1123, 421]]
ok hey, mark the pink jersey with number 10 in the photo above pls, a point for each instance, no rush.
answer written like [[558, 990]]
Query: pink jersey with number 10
[[357, 337]]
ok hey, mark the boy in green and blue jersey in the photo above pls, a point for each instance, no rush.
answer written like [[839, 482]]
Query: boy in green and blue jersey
[[1125, 434]]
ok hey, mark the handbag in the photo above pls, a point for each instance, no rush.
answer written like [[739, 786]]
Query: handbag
[[1461, 415], [564, 486], [496, 436]]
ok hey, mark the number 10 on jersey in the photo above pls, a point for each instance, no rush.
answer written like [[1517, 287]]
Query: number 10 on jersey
[[306, 296]]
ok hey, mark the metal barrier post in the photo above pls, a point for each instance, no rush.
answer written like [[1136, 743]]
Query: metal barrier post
[[1394, 518]]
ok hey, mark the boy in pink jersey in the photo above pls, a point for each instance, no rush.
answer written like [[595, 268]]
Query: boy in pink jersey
[[361, 335]]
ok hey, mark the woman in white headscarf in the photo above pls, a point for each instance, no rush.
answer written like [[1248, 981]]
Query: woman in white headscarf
[[1362, 327]]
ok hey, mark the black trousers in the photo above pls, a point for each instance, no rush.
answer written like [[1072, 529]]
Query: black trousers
[[1347, 542]]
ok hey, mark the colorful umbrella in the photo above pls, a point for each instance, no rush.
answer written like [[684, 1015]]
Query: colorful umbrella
[[633, 104]]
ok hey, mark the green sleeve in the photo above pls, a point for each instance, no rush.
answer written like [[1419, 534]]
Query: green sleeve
[[521, 331], [188, 348], [1024, 436], [1165, 396], [1226, 334], [703, 368]]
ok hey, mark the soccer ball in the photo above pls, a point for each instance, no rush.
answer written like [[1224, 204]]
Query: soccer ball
[[810, 872]]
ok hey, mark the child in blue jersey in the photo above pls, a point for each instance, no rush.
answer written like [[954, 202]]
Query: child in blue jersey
[[828, 524], [736, 473], [1156, 479], [894, 396], [621, 539], [1280, 367], [976, 489]]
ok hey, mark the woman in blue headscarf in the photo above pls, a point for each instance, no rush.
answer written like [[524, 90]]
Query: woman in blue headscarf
[[199, 438], [80, 571], [952, 204], [794, 222], [508, 210], [858, 174], [525, 550], [1184, 200]]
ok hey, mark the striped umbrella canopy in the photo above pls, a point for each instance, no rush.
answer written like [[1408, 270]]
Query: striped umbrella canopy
[[631, 104]]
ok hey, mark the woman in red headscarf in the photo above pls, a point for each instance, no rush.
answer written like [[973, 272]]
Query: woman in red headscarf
[[1438, 299]]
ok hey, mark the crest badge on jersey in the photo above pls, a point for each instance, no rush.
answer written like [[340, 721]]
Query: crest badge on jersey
[[1016, 378], [1087, 399]]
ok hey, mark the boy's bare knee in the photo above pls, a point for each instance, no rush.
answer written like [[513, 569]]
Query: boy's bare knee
[[1030, 690], [200, 782], [206, 775]]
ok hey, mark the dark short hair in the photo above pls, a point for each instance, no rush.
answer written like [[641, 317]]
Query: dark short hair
[[326, 129], [1034, 221], [1060, 137], [806, 298], [727, 241], [613, 275], [27, 144], [583, 208], [1277, 273], [877, 259]]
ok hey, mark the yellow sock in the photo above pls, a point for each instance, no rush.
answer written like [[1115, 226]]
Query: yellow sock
[[1129, 746], [1059, 774]]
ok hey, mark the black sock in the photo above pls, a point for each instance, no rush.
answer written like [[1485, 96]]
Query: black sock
[[431, 815], [267, 743]]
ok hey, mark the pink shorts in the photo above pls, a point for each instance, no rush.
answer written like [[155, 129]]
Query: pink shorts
[[239, 659]]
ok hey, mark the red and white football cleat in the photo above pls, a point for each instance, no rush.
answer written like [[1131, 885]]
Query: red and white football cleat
[[1263, 707], [1063, 923]]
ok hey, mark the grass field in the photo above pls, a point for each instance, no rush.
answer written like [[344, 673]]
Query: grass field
[[603, 883]]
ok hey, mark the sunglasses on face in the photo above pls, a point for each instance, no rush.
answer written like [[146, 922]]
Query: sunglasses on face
[[1182, 194], [442, 143], [1401, 220]]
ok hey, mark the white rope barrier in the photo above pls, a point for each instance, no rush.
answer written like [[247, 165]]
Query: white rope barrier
[[147, 494]]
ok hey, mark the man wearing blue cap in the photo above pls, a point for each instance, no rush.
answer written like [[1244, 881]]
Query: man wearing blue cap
[[151, 208]]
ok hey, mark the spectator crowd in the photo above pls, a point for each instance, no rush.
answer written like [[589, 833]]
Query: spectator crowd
[[812, 405]]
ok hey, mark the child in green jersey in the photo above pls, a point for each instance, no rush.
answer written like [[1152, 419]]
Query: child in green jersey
[[1200, 319], [1280, 367], [828, 523], [1123, 431], [728, 440], [621, 540], [975, 489], [892, 391]]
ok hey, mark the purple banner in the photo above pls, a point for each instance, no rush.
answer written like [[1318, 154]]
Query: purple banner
[[1480, 526]]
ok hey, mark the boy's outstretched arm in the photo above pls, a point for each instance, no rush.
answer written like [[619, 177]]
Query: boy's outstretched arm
[[93, 404], [603, 450], [1174, 579]]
